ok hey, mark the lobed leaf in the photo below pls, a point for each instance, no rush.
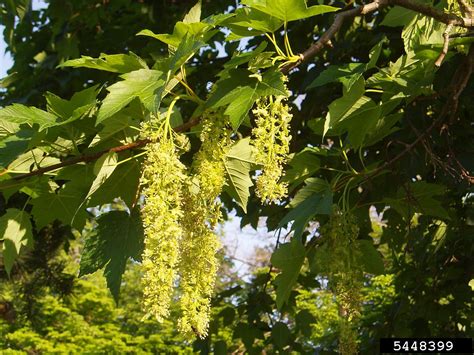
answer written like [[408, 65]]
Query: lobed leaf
[[115, 63], [15, 232], [238, 163], [289, 10], [140, 84], [117, 238], [289, 258]]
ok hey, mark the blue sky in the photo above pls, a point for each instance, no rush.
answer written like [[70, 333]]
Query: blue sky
[[5, 59]]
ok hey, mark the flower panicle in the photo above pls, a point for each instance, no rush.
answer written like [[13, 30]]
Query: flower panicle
[[272, 142]]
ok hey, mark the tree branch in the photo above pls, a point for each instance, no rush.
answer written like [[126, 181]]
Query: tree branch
[[91, 157], [429, 11], [342, 16], [444, 51], [82, 158]]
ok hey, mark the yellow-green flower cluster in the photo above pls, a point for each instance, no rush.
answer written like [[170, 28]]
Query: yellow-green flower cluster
[[345, 272], [209, 160], [345, 275], [347, 338], [162, 175], [202, 209], [198, 267], [179, 215], [272, 142]]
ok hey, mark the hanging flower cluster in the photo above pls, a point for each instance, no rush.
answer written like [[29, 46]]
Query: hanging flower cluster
[[202, 209], [161, 214], [181, 208], [179, 214], [345, 275], [272, 142]]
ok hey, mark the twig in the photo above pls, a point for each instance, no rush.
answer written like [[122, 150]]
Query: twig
[[444, 51], [460, 80], [462, 170], [466, 9], [435, 159]]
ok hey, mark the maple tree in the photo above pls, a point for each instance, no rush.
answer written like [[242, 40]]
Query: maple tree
[[379, 120]]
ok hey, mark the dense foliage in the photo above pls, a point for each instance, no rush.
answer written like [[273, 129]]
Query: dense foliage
[[86, 321], [360, 148]]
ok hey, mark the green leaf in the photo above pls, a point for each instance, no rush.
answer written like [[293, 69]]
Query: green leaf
[[21, 114], [13, 146], [341, 107], [78, 106], [244, 57], [195, 30], [317, 203], [188, 46], [374, 53], [370, 259], [342, 73], [103, 168], [348, 74], [27, 160], [362, 119], [398, 16], [238, 163], [320, 259], [419, 197], [251, 22], [288, 10], [304, 319], [116, 63], [8, 128], [20, 7], [6, 81], [123, 127], [240, 91], [123, 184], [281, 335], [301, 166], [227, 315], [384, 127], [36, 186], [66, 108], [15, 232], [408, 76], [312, 186], [422, 30], [220, 347], [365, 125], [248, 333], [117, 237], [141, 83], [194, 15], [289, 258], [63, 205]]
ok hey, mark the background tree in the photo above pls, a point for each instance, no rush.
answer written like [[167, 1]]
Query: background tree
[[380, 118]]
